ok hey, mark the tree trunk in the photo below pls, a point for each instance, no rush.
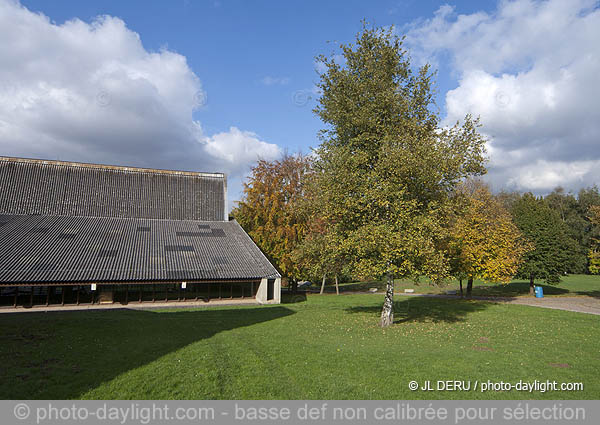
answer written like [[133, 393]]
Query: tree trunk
[[469, 287], [337, 288], [461, 290], [531, 290], [387, 313], [323, 284]]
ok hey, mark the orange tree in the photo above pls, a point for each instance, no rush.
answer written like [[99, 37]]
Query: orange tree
[[269, 210]]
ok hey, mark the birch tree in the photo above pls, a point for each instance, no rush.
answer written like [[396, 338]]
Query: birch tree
[[384, 168]]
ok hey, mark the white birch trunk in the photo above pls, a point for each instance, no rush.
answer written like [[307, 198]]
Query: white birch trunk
[[387, 313]]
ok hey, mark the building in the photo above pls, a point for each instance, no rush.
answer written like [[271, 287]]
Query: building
[[73, 233]]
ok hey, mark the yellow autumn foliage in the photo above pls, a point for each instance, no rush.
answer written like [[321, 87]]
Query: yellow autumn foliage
[[487, 245]]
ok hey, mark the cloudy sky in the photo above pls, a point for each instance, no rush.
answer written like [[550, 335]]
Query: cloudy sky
[[214, 85]]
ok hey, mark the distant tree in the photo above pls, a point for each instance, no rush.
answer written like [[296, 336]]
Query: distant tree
[[573, 211], [577, 224], [385, 169], [543, 226], [485, 243], [269, 210], [508, 199], [588, 199], [319, 256], [594, 251]]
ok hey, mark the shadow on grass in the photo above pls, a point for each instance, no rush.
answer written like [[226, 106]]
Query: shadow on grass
[[515, 288], [290, 298], [427, 309], [62, 355], [593, 294]]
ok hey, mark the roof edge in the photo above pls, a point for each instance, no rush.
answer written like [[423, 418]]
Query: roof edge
[[235, 223], [110, 167]]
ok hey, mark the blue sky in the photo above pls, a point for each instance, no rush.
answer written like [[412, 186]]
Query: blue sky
[[214, 85], [232, 46]]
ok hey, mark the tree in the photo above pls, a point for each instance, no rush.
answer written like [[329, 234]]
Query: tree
[[589, 200], [577, 225], [384, 170], [484, 243], [573, 211], [594, 251], [318, 255], [543, 226], [269, 211], [507, 199]]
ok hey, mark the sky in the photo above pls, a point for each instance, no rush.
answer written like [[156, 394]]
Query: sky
[[215, 85]]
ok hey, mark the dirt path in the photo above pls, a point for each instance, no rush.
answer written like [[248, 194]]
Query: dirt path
[[588, 305], [579, 304]]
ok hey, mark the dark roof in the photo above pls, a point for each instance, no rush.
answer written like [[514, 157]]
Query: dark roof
[[55, 249], [31, 186]]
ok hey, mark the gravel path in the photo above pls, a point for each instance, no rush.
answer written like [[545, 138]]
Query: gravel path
[[588, 305], [580, 304]]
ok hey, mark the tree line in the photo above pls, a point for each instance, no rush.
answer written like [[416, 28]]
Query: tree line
[[391, 193]]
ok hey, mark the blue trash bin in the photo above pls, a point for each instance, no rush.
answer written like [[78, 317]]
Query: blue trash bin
[[539, 292]]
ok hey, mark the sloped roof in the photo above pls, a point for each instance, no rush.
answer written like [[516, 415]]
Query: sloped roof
[[60, 249], [32, 186]]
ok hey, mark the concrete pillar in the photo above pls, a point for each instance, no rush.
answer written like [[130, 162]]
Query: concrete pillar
[[277, 291], [262, 292]]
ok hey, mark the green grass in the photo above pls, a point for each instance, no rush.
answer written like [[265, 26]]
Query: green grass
[[572, 285], [324, 347]]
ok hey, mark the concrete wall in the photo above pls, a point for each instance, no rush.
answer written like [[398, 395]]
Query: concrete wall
[[261, 294]]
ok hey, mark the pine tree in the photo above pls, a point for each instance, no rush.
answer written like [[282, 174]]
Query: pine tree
[[544, 228]]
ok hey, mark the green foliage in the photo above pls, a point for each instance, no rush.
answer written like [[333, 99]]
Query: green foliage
[[270, 209], [594, 252], [319, 255], [384, 170], [544, 228], [594, 259], [573, 212]]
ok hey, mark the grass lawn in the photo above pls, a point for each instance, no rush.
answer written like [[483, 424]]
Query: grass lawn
[[325, 347], [572, 285]]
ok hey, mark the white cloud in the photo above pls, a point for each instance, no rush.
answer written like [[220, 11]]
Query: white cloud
[[91, 92], [530, 70], [541, 174], [237, 146], [275, 81]]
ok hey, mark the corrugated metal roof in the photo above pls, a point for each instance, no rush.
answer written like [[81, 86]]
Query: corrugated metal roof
[[34, 249], [29, 186]]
